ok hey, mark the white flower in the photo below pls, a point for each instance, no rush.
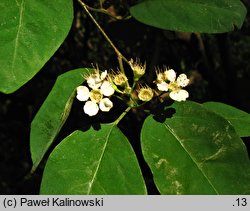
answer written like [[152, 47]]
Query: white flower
[[100, 87], [90, 108], [167, 82], [107, 89], [182, 80], [82, 93], [170, 75], [162, 86], [179, 95], [105, 104]]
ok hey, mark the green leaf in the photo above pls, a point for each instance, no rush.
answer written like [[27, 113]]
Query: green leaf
[[195, 152], [211, 16], [30, 33], [53, 113], [238, 118], [93, 162]]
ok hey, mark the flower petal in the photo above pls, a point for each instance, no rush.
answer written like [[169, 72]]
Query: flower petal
[[170, 75], [179, 95], [94, 81], [105, 104], [162, 86], [82, 93], [103, 75], [107, 89], [182, 80], [90, 108]]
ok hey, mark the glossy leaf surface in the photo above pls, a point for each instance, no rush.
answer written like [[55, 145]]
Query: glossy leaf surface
[[211, 16], [195, 152], [30, 33], [238, 118], [93, 162], [53, 113]]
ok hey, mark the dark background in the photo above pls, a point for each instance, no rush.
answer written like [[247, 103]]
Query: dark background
[[217, 64]]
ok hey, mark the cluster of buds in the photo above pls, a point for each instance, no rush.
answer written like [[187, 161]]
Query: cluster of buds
[[101, 86]]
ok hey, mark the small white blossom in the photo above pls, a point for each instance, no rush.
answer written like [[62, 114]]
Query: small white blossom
[[90, 108], [105, 104], [107, 89], [162, 86], [99, 87], [167, 81], [82, 93], [179, 95]]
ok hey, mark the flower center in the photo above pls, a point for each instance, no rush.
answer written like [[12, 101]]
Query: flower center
[[173, 86], [95, 96]]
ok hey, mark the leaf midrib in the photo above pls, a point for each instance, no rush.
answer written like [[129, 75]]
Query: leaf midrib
[[20, 23], [176, 136], [99, 161]]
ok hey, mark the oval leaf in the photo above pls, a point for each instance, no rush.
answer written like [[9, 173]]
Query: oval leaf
[[238, 118], [93, 162], [31, 32], [195, 152], [52, 115], [211, 16]]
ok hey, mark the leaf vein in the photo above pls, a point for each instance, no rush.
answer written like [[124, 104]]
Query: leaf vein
[[176, 136], [99, 162], [20, 24]]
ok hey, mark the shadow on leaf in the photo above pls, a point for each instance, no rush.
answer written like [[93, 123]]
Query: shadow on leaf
[[163, 111]]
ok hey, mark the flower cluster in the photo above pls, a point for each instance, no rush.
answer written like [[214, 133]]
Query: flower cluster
[[97, 97], [101, 86], [166, 81]]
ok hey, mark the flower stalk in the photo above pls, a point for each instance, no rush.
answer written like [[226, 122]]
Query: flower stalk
[[122, 115], [119, 54]]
